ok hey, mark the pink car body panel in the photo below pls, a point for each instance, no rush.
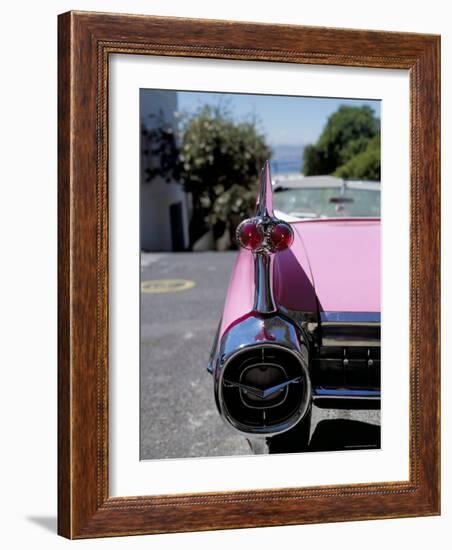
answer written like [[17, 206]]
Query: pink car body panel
[[344, 256], [333, 264]]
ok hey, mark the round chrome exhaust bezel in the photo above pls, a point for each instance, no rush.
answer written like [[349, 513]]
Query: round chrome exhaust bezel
[[265, 431]]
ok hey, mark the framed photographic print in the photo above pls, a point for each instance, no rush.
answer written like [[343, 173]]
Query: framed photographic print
[[248, 275]]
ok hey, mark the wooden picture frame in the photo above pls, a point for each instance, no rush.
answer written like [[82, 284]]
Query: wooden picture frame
[[86, 40]]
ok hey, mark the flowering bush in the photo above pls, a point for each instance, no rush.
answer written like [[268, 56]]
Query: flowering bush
[[221, 161]]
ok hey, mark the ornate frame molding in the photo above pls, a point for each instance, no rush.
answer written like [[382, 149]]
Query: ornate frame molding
[[85, 42]]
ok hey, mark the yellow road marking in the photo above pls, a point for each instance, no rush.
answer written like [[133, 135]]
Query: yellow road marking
[[162, 286]]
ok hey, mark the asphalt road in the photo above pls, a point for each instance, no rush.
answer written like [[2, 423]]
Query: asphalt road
[[180, 312]]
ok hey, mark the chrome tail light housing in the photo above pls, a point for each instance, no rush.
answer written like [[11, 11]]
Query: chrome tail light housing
[[260, 366]]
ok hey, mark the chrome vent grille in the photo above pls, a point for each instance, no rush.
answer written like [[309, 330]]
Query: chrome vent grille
[[356, 367]]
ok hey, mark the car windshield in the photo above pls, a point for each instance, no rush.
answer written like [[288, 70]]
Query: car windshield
[[350, 199]]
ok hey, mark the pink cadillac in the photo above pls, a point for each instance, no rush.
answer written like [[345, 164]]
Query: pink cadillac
[[301, 321]]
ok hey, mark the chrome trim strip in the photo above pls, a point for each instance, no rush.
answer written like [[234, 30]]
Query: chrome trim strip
[[350, 316], [263, 283], [262, 394], [330, 393], [344, 342], [316, 398]]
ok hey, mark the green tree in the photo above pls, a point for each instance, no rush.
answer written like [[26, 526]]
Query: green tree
[[220, 164], [314, 161], [364, 165], [348, 134]]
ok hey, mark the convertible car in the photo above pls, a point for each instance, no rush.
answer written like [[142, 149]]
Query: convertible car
[[301, 321]]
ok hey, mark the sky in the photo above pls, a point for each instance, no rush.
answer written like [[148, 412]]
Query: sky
[[284, 120]]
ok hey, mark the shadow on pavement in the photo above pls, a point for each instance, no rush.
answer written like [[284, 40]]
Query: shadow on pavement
[[341, 435]]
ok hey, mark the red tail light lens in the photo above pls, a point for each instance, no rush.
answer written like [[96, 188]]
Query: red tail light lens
[[281, 236], [250, 235]]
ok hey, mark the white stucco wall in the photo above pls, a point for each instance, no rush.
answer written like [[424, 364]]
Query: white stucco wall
[[157, 195]]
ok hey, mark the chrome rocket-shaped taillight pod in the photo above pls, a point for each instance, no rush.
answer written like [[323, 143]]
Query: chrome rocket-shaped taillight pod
[[264, 235], [260, 363]]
